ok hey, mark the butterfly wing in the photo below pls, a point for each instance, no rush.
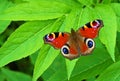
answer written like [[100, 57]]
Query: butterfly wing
[[56, 39], [76, 46], [76, 43], [91, 29], [87, 46], [72, 50]]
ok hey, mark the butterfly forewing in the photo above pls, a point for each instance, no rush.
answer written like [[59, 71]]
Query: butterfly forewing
[[91, 29], [56, 39]]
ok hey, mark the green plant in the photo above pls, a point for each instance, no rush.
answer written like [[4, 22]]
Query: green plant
[[24, 56]]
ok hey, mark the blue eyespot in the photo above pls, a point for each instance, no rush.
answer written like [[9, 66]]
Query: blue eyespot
[[89, 43], [65, 50]]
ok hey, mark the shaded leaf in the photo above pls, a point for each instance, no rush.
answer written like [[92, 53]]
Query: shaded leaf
[[15, 76], [118, 24], [91, 65], [34, 56], [112, 73], [3, 25], [86, 67], [57, 70], [58, 76]]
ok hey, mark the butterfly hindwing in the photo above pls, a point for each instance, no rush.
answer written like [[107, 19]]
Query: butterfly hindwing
[[77, 46], [87, 46]]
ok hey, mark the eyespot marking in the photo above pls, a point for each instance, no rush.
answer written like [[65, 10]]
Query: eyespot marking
[[49, 37], [89, 42], [95, 23], [65, 50]]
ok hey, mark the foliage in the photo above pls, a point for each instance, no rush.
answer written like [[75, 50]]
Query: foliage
[[23, 54]]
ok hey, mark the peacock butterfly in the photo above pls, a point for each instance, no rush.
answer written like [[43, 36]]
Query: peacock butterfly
[[76, 43]]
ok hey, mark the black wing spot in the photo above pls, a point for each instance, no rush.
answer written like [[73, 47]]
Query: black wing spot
[[56, 34], [85, 40], [63, 34], [67, 45], [83, 28], [88, 25]]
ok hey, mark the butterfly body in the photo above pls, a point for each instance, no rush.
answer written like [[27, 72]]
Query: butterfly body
[[76, 43]]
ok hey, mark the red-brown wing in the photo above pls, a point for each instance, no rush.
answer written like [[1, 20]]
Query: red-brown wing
[[91, 29], [69, 51], [72, 49], [87, 46], [56, 39]]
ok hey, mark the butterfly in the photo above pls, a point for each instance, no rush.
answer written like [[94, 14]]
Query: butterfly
[[76, 43]]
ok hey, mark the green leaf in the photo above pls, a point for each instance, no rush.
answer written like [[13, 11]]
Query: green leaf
[[86, 2], [71, 22], [3, 25], [2, 77], [56, 71], [58, 75], [116, 9], [19, 1], [118, 42], [4, 5], [106, 1], [27, 39], [118, 24], [47, 55], [91, 65], [108, 32], [35, 10], [34, 56], [112, 73], [86, 67], [15, 76], [76, 17], [70, 66], [87, 14], [70, 3], [44, 60]]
